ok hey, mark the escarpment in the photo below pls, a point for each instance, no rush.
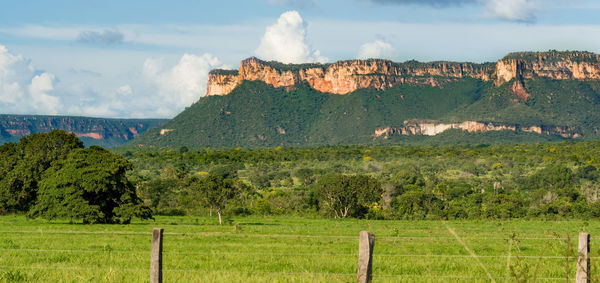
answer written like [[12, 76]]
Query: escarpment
[[343, 77]]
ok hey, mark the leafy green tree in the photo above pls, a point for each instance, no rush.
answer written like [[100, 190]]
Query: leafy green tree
[[162, 196], [305, 175], [226, 171], [348, 195], [213, 192], [22, 165], [418, 204], [90, 185]]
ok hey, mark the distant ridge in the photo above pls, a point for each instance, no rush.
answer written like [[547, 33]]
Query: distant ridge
[[106, 132]]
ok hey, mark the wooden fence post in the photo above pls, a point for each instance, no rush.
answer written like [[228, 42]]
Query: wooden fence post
[[156, 256], [365, 256], [583, 261]]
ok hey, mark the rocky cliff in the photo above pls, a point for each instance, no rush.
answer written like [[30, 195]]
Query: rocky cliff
[[100, 131], [553, 65], [432, 128], [343, 77]]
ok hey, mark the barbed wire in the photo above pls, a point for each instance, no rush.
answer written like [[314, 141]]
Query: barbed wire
[[166, 270], [290, 254], [275, 235]]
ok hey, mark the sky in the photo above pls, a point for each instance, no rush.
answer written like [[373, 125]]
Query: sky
[[150, 58]]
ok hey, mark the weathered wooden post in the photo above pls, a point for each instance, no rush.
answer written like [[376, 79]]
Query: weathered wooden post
[[583, 261], [365, 256], [156, 256]]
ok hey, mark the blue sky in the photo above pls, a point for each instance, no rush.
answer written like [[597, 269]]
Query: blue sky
[[150, 58]]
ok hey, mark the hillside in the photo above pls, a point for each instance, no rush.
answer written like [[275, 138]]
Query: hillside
[[524, 97], [92, 131]]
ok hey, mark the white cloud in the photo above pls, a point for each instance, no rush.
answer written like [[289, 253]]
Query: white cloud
[[23, 89], [181, 85], [125, 90], [376, 49], [285, 41], [513, 10], [41, 100], [158, 89]]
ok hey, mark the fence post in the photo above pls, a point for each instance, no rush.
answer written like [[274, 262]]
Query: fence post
[[583, 261], [156, 256], [365, 256]]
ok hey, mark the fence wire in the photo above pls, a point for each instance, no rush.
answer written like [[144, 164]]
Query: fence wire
[[389, 239], [216, 234], [166, 270], [563, 257]]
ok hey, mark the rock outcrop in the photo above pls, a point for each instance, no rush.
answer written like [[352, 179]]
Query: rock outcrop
[[553, 65], [222, 82], [432, 128], [343, 77]]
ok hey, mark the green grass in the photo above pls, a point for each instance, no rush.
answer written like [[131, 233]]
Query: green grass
[[286, 249]]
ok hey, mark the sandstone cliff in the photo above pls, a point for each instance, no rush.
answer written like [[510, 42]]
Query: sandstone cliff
[[432, 128], [553, 65], [343, 77]]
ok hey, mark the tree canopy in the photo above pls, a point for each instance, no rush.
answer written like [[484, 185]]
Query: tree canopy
[[348, 195], [22, 165], [212, 191], [89, 185]]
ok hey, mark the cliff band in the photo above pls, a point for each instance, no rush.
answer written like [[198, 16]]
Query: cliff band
[[343, 77]]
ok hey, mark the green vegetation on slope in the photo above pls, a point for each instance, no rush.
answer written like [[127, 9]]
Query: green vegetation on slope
[[552, 102], [256, 114]]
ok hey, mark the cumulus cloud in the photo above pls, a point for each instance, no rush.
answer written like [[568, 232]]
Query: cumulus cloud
[[285, 41], [181, 85], [513, 10], [38, 91], [105, 37], [23, 89], [159, 89], [376, 49]]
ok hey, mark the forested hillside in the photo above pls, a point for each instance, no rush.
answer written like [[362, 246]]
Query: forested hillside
[[257, 114]]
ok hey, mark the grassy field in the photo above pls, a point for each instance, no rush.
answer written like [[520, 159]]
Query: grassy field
[[288, 249]]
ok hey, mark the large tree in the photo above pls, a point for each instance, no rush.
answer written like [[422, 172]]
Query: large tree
[[348, 195], [213, 192], [22, 165], [89, 185]]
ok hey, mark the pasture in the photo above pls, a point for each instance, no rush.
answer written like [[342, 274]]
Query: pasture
[[292, 249]]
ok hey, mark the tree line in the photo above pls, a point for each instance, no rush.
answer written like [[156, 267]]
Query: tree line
[[52, 176]]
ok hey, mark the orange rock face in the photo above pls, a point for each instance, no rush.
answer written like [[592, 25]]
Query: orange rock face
[[253, 69], [569, 66], [221, 84], [343, 77], [96, 136]]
